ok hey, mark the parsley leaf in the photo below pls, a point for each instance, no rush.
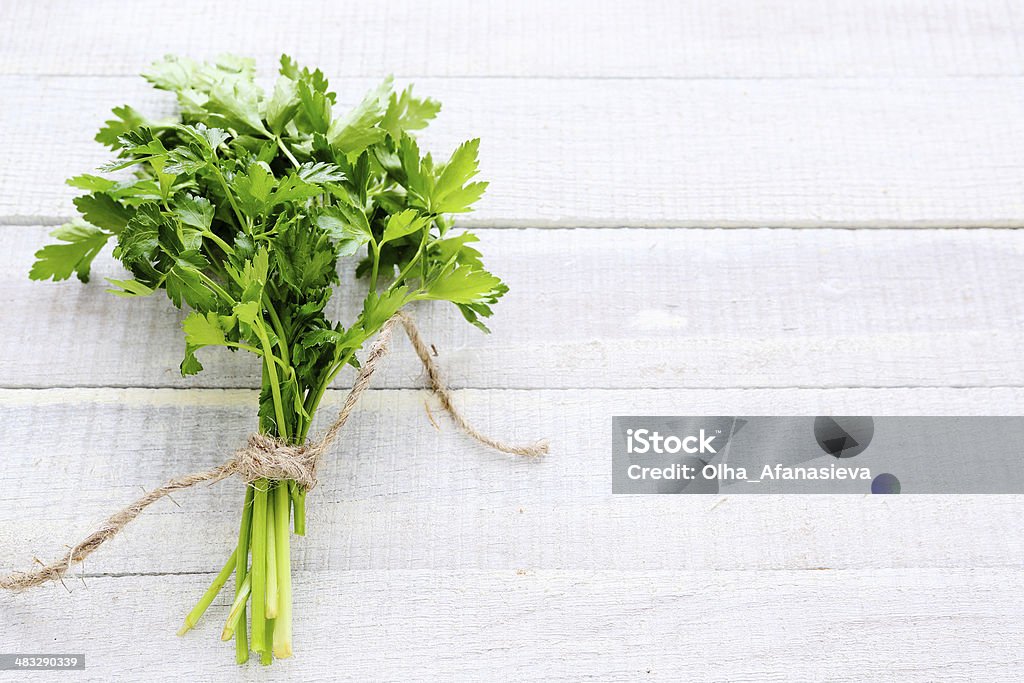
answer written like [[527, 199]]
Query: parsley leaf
[[402, 224], [453, 193], [103, 211], [407, 113], [81, 244], [127, 120]]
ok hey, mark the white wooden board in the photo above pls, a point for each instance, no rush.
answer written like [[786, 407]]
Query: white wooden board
[[735, 152], [609, 308], [599, 38], [397, 494], [785, 626]]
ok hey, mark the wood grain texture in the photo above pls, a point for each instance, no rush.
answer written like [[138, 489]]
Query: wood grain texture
[[398, 494], [604, 38], [905, 625], [609, 308], [738, 153], [429, 558]]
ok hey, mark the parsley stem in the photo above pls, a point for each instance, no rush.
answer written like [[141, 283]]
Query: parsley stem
[[375, 248], [231, 200], [412, 262], [287, 152], [218, 583], [282, 338], [220, 243], [271, 595], [322, 387], [218, 290], [243, 582], [236, 617], [298, 495], [259, 565], [283, 625], [245, 347], [269, 362]]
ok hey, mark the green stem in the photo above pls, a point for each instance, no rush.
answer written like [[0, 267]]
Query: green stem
[[411, 263], [287, 152], [275, 389], [282, 338], [216, 288], [259, 565], [243, 583], [298, 495], [236, 617], [271, 597], [231, 200], [283, 625], [245, 347], [313, 402], [375, 249], [220, 243], [216, 264], [192, 618]]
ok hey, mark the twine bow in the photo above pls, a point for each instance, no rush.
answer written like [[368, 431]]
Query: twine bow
[[266, 457]]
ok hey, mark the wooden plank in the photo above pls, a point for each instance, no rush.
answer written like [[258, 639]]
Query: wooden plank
[[609, 308], [736, 153], [755, 38], [398, 494], [910, 625]]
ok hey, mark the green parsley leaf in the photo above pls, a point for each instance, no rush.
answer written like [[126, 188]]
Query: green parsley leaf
[[127, 120], [465, 285], [283, 105], [379, 307], [92, 183], [196, 212], [202, 330], [402, 224], [405, 113], [357, 130], [186, 284], [346, 225], [129, 288], [103, 211], [453, 193], [59, 261]]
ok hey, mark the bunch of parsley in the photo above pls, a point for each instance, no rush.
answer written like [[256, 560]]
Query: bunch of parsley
[[240, 210]]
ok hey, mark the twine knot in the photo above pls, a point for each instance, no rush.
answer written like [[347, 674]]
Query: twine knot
[[267, 457]]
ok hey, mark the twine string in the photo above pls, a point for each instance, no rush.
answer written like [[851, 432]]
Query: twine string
[[267, 457]]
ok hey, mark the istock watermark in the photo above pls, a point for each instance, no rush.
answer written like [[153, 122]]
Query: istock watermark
[[818, 454], [648, 441]]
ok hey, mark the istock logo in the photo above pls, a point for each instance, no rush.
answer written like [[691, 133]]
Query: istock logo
[[641, 441]]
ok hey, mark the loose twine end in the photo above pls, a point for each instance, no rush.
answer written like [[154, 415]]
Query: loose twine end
[[266, 457]]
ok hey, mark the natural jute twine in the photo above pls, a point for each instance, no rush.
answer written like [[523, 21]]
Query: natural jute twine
[[265, 457]]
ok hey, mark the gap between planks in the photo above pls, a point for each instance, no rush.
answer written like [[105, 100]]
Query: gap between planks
[[465, 223]]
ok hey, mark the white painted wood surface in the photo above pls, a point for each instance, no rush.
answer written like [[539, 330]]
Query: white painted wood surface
[[514, 624], [892, 152], [398, 494], [432, 559], [598, 39], [611, 308]]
